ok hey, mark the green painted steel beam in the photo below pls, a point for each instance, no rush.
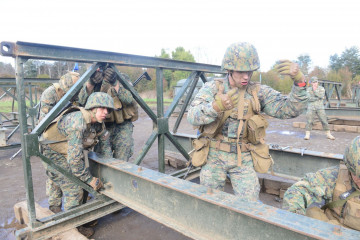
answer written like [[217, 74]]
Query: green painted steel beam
[[202, 213], [343, 111], [51, 52]]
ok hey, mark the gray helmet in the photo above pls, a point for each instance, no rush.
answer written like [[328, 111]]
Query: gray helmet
[[314, 80], [68, 80], [352, 157], [241, 57], [99, 99]]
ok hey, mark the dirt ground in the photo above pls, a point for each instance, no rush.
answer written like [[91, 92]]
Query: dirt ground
[[128, 224]]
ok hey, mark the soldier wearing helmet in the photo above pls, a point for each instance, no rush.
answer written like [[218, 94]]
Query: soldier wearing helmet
[[49, 98], [119, 122], [330, 194], [316, 108], [64, 141], [228, 114]]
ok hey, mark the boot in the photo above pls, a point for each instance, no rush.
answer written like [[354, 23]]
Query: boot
[[55, 209], [329, 136], [86, 231], [307, 135]]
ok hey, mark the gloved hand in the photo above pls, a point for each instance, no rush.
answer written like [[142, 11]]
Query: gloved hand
[[97, 77], [226, 101], [287, 67], [110, 76], [96, 183]]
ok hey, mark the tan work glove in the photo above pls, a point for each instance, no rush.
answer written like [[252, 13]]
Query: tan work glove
[[97, 77], [226, 101], [287, 67], [110, 76], [96, 183]]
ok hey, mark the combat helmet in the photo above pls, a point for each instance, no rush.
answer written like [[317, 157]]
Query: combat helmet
[[314, 80], [241, 56], [99, 99], [68, 80], [352, 157]]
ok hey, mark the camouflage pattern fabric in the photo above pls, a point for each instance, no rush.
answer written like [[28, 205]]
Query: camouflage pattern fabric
[[313, 188], [68, 80], [244, 179], [121, 140], [272, 103], [316, 108], [99, 99], [72, 193], [241, 56], [319, 187], [73, 126], [48, 100]]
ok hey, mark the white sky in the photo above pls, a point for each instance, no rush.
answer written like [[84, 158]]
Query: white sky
[[279, 29]]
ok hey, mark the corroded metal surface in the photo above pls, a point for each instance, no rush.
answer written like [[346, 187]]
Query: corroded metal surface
[[202, 213]]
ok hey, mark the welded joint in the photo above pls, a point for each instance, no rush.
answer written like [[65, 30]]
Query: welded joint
[[163, 125]]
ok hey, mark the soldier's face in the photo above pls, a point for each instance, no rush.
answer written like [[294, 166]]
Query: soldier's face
[[100, 114], [240, 79]]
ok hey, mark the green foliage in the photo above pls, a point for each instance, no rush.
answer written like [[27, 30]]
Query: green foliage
[[350, 59], [30, 69], [170, 76], [274, 80]]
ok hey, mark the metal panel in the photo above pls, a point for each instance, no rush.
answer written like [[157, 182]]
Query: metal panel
[[202, 213], [51, 52]]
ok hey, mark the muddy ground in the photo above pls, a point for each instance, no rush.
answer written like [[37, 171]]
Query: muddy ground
[[128, 224]]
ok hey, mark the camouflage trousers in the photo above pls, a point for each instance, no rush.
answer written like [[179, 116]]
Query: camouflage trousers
[[121, 140], [58, 185], [311, 114], [243, 179]]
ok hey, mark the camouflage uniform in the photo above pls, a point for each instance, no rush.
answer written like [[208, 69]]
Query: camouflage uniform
[[122, 142], [243, 178], [317, 189], [74, 128], [316, 108], [49, 98]]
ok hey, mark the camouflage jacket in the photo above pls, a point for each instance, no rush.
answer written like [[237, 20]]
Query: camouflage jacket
[[48, 100], [124, 95], [271, 101], [73, 126], [316, 98], [315, 188]]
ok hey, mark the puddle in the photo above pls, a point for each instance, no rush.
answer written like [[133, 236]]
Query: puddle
[[287, 133]]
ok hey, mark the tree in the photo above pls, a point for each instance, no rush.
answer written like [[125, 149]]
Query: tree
[[304, 62], [182, 55], [6, 70], [350, 59]]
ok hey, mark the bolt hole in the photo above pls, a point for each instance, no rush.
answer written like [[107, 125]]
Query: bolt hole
[[6, 48]]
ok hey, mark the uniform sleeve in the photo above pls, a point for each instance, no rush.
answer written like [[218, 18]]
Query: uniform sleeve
[[280, 106], [125, 95], [83, 96], [47, 102], [313, 188], [75, 127], [201, 111]]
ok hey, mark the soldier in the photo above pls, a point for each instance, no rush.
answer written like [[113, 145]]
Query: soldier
[[227, 113], [49, 98], [316, 107], [119, 122], [330, 194], [64, 140]]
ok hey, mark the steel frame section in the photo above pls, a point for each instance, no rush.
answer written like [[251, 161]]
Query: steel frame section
[[190, 208], [330, 86], [203, 213]]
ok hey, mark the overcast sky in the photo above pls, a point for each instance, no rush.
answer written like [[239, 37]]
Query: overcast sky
[[279, 29]]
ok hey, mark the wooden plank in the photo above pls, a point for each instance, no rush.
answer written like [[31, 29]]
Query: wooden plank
[[22, 216]]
